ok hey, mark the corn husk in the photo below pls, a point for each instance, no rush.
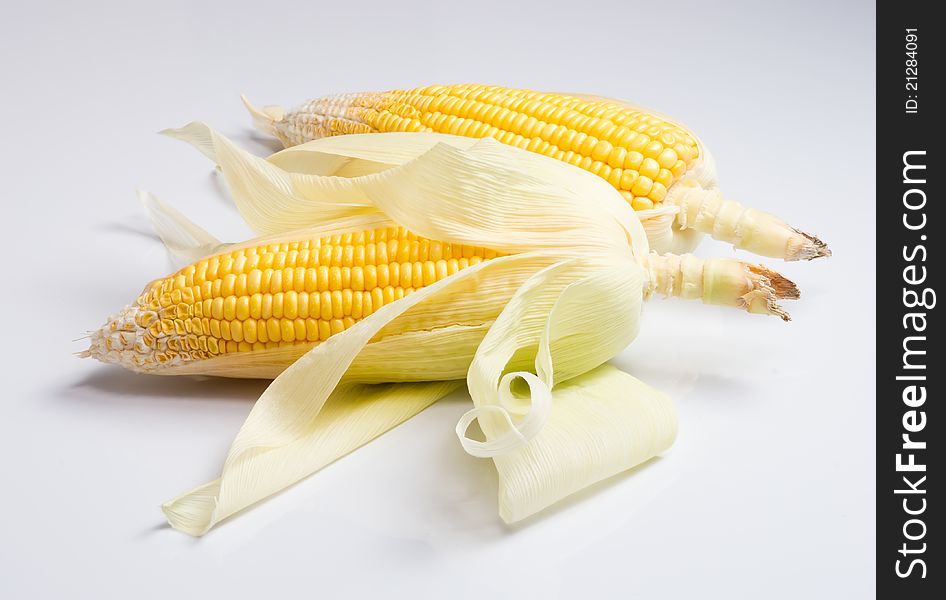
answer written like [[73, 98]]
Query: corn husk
[[565, 300]]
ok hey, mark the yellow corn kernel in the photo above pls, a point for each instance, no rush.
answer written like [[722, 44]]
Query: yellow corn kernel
[[325, 331], [243, 307], [302, 305], [216, 308], [649, 168], [273, 331], [290, 308], [249, 330], [287, 331], [229, 307], [642, 186], [311, 330], [236, 331], [298, 326], [337, 304]]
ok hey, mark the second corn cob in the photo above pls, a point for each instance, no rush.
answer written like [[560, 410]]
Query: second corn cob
[[655, 163]]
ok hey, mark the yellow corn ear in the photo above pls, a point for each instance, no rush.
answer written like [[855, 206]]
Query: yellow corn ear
[[639, 153], [275, 295], [658, 166]]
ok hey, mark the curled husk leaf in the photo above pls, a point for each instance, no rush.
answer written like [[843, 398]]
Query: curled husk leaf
[[564, 297]]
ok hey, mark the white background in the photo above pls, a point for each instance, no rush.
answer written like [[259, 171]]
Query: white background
[[768, 492]]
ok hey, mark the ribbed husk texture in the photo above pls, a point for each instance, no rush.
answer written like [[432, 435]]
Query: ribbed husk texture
[[529, 331]]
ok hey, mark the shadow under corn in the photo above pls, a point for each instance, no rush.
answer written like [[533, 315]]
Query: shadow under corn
[[113, 384]]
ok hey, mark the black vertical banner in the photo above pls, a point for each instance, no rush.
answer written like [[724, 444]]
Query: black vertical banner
[[911, 374]]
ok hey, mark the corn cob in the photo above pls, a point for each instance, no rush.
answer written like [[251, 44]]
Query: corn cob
[[275, 295], [654, 163], [293, 295], [551, 269]]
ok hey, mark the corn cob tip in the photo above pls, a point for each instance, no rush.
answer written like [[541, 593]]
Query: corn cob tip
[[807, 247], [121, 341], [265, 118]]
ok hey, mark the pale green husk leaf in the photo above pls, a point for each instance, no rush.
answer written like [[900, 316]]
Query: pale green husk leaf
[[564, 301]]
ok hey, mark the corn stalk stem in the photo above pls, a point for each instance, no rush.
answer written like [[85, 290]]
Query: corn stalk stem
[[721, 281], [754, 230]]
